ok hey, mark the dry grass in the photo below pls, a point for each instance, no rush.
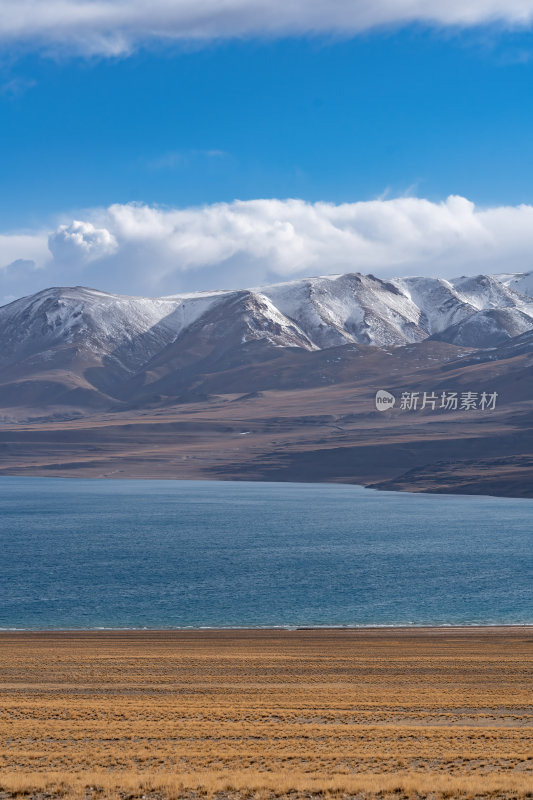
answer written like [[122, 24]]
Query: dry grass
[[264, 714]]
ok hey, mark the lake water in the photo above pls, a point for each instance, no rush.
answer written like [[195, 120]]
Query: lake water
[[120, 554]]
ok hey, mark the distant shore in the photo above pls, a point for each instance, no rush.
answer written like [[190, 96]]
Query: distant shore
[[521, 492], [314, 435]]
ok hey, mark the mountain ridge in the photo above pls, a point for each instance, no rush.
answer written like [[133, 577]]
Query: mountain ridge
[[79, 346], [314, 313]]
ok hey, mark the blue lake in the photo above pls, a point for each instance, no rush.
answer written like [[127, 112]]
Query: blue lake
[[119, 553]]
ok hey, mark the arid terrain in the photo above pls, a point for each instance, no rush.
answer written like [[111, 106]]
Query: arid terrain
[[304, 417], [396, 713]]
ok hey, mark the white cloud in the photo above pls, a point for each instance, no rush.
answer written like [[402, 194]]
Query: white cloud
[[81, 242], [139, 249], [113, 27]]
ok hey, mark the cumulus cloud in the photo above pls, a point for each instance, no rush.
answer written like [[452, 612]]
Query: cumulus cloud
[[113, 27], [140, 249], [81, 242]]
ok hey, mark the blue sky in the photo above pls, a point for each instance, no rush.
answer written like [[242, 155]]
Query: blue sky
[[380, 114], [409, 111]]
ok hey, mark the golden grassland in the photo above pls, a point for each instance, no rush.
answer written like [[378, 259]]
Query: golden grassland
[[403, 713]]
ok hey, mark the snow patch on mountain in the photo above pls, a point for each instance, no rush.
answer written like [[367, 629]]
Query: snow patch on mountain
[[486, 291], [487, 328], [438, 303], [521, 282], [337, 309], [265, 321], [128, 329]]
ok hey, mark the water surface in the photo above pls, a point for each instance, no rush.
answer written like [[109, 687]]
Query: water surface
[[124, 553]]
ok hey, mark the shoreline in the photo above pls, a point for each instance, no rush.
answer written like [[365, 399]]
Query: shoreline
[[296, 629], [371, 487]]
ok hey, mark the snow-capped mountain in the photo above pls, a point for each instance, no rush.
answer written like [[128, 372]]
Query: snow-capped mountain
[[338, 309], [116, 344], [334, 310], [313, 313], [127, 329]]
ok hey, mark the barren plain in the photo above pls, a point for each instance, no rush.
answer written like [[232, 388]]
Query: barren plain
[[308, 713]]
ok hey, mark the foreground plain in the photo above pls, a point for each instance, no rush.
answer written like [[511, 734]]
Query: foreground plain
[[409, 713]]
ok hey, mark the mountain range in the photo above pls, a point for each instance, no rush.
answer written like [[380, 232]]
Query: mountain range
[[290, 369]]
